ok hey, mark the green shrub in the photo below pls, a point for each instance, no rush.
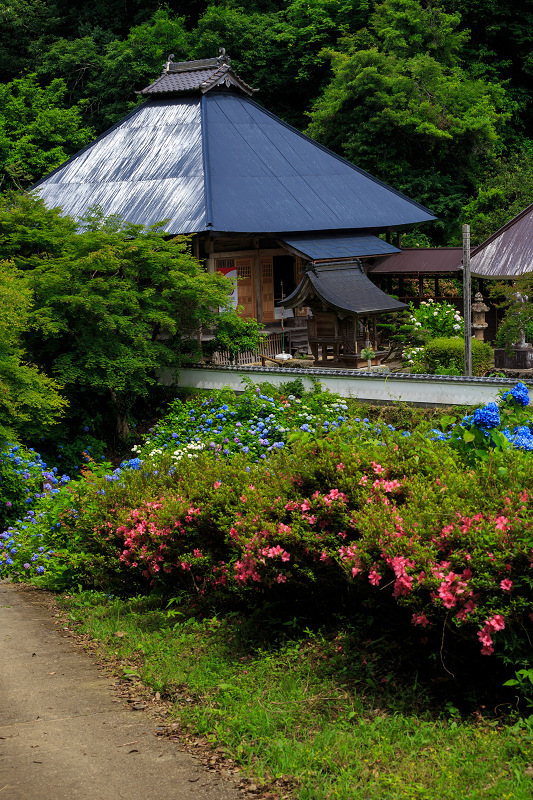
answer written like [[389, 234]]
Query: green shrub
[[445, 354]]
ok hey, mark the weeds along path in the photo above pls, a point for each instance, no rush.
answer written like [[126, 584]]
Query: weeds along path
[[64, 736]]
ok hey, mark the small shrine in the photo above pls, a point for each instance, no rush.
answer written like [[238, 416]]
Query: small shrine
[[342, 308]]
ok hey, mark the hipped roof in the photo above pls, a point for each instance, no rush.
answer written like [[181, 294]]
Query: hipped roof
[[202, 155], [344, 288]]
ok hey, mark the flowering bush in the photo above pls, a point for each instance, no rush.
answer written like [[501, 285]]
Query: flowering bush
[[438, 319], [342, 511], [322, 521], [491, 428], [24, 481], [253, 424]]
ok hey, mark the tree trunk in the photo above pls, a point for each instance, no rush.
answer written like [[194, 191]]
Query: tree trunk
[[121, 416]]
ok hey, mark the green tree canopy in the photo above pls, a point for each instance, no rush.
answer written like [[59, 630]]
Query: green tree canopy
[[402, 107], [30, 401], [111, 305], [506, 191], [37, 131]]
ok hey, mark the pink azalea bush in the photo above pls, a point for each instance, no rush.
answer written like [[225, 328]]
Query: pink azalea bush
[[454, 547]]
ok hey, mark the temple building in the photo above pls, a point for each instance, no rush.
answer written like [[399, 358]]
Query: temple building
[[263, 202]]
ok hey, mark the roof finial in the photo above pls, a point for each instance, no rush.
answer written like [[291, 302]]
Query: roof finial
[[223, 58], [167, 64]]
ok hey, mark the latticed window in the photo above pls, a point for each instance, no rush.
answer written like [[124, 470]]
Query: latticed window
[[225, 263], [244, 271], [267, 271]]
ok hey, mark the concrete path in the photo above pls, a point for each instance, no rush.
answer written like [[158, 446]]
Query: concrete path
[[61, 735]]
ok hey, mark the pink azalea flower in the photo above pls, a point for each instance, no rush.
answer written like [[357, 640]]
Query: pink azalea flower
[[374, 577], [501, 523], [506, 585], [217, 484]]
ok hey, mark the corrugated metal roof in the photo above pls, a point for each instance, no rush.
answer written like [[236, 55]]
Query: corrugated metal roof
[[419, 260], [147, 168], [338, 245], [345, 288], [220, 162], [508, 253]]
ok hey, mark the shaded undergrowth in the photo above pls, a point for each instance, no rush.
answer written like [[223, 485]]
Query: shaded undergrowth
[[344, 710]]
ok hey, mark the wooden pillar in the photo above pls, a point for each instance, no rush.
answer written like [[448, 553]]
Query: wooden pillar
[[437, 288], [401, 288], [374, 334], [196, 247], [257, 282], [210, 261], [420, 286]]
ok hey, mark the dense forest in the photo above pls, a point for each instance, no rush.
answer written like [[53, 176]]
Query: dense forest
[[433, 97]]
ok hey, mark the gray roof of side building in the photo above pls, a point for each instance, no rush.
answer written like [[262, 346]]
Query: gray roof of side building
[[342, 287], [508, 253], [211, 159]]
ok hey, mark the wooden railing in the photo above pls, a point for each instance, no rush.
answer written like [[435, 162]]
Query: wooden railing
[[271, 346]]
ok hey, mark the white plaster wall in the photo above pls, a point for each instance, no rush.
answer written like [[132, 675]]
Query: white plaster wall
[[371, 387]]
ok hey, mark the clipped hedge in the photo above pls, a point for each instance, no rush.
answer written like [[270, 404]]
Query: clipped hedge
[[449, 353]]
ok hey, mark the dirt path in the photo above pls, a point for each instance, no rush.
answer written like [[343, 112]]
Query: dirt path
[[64, 736]]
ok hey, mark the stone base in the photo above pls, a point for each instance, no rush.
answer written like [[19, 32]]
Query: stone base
[[517, 358]]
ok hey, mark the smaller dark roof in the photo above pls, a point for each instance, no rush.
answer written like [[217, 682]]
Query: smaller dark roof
[[344, 288], [326, 246], [423, 260], [196, 76], [508, 253]]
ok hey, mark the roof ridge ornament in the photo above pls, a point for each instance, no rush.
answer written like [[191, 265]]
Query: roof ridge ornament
[[223, 58], [169, 61]]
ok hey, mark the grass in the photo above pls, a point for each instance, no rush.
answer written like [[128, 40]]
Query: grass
[[326, 710]]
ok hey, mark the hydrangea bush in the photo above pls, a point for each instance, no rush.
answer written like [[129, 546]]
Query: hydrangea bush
[[438, 319], [254, 424], [344, 508], [25, 481], [491, 428]]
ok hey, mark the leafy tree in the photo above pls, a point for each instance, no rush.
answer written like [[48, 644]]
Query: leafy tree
[[402, 108], [279, 51], [30, 402], [503, 195], [31, 233], [234, 335], [37, 131], [105, 71], [118, 303]]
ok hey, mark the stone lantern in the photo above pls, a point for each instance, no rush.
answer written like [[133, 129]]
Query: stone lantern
[[479, 309]]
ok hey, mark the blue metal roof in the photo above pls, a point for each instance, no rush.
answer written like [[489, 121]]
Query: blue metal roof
[[220, 162], [339, 245]]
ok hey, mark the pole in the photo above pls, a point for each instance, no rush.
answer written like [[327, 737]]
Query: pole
[[467, 300], [282, 325]]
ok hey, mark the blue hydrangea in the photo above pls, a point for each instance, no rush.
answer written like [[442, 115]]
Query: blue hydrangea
[[518, 394], [487, 417]]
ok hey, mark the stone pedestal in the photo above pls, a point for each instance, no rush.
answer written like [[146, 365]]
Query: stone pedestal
[[516, 358]]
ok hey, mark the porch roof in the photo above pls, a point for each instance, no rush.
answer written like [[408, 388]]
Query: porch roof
[[326, 246]]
